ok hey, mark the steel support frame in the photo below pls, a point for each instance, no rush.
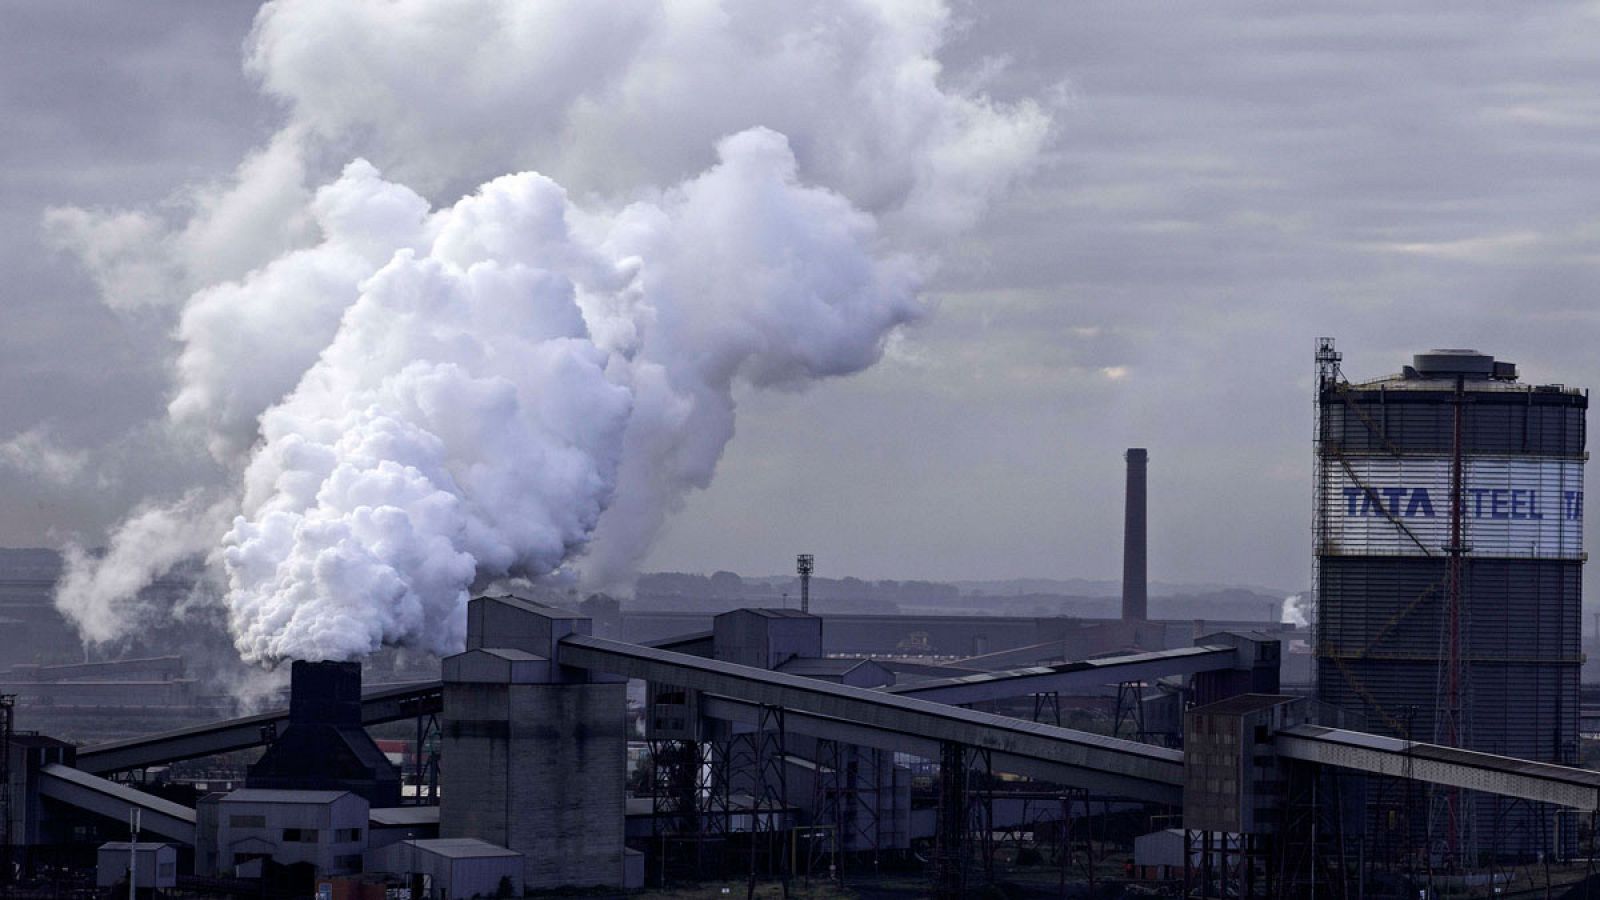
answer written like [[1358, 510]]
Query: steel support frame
[[1130, 709], [866, 812], [675, 801], [1066, 835], [425, 757], [979, 764], [759, 756], [950, 843], [1047, 707], [713, 787], [830, 795]]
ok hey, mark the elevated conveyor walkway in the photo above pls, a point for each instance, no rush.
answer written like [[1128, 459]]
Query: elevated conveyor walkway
[[1121, 767], [115, 801], [1379, 755], [1072, 677], [391, 704]]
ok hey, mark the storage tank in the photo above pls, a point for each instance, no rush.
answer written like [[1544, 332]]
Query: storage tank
[[1392, 551]]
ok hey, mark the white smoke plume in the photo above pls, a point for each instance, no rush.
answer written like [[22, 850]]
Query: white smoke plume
[[526, 381], [101, 594], [1297, 610]]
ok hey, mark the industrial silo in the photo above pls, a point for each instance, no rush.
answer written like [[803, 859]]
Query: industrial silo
[[1449, 552]]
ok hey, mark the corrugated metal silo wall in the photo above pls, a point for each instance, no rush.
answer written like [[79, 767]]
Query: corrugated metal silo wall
[[1382, 572]]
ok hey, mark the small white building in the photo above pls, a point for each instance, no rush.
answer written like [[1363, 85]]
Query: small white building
[[453, 868], [327, 829], [157, 864], [1158, 856]]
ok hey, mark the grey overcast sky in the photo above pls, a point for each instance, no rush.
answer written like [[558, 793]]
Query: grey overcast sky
[[1225, 182]]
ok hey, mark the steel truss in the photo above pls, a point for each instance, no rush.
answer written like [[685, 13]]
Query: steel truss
[[950, 845], [1130, 709], [674, 797], [831, 792], [757, 758], [846, 802], [425, 758], [1066, 834], [1047, 707]]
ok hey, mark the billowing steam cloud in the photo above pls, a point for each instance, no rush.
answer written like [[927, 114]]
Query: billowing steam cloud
[[1297, 610], [417, 400]]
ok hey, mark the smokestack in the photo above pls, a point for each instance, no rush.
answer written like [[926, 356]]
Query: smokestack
[[325, 746], [1134, 593]]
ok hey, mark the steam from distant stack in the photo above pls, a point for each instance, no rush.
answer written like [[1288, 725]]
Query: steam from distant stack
[[1135, 596], [413, 394]]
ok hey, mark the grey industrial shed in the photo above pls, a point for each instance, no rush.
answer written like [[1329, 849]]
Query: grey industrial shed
[[158, 864], [457, 868]]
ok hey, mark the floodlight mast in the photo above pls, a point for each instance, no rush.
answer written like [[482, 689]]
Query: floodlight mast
[[803, 564]]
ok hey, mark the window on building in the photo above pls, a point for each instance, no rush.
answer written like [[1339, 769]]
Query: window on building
[[346, 835], [247, 821], [300, 835], [351, 862]]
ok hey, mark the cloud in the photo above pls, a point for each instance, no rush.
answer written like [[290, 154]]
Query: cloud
[[36, 453]]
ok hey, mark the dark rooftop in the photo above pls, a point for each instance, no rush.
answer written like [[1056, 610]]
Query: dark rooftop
[[1244, 703]]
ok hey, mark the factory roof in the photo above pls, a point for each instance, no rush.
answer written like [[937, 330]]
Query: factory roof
[[816, 667], [460, 848], [509, 653], [1253, 634], [402, 816], [679, 640], [30, 739], [770, 612], [1243, 703], [273, 795], [1399, 382], [543, 609], [142, 845]]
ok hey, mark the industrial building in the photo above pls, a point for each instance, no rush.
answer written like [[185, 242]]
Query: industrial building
[[1449, 550], [775, 744], [758, 772]]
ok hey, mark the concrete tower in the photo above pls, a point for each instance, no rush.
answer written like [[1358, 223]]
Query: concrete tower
[[537, 752]]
